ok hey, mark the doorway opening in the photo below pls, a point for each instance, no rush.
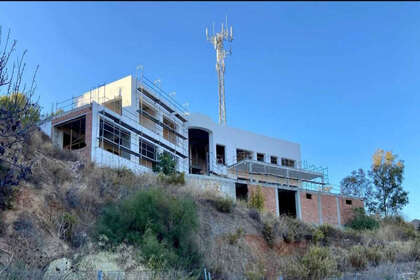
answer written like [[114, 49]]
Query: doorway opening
[[71, 134], [287, 202], [241, 191], [198, 146]]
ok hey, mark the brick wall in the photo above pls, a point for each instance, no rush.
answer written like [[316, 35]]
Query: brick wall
[[269, 197], [309, 208], [329, 209], [85, 153], [347, 210]]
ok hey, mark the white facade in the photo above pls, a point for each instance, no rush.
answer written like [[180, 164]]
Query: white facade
[[119, 104], [234, 138]]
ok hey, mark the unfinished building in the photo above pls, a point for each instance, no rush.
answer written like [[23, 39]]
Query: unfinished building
[[128, 122]]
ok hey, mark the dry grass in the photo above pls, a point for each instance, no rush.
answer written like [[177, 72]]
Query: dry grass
[[235, 244]]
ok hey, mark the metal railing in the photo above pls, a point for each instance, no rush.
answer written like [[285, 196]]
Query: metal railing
[[161, 94]]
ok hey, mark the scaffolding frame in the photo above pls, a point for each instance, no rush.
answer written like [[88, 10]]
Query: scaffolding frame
[[146, 92]]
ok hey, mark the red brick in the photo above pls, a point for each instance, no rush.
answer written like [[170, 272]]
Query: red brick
[[329, 209], [347, 210], [309, 208], [269, 194], [85, 153]]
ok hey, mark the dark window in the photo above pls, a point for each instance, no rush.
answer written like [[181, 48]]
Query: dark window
[[220, 154], [114, 139], [169, 129], [74, 133], [287, 162], [148, 153], [349, 202], [309, 196], [273, 160], [242, 155], [147, 150], [241, 191], [260, 157]]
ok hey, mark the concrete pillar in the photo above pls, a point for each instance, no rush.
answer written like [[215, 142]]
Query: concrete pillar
[[320, 209], [298, 206], [277, 202], [338, 211]]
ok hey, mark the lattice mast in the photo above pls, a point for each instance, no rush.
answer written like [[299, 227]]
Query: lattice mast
[[217, 40]]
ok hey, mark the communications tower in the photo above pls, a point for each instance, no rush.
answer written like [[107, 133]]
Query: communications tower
[[217, 40]]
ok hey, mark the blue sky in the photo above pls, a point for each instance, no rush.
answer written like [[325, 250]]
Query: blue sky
[[341, 79]]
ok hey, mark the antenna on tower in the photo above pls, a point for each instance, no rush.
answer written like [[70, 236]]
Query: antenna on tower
[[217, 40]]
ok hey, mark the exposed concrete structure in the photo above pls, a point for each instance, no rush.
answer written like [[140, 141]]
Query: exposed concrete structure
[[126, 123]]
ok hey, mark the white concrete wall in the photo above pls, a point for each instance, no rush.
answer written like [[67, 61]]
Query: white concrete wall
[[46, 128], [234, 138], [124, 88], [100, 155], [223, 186]]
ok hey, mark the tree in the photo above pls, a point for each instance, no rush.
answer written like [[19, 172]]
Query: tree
[[18, 117], [166, 164], [29, 116], [387, 176], [357, 184], [382, 189]]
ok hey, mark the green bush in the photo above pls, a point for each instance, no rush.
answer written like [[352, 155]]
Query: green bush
[[361, 221], [318, 236], [223, 204], [160, 224], [316, 264], [256, 199], [319, 263], [166, 164]]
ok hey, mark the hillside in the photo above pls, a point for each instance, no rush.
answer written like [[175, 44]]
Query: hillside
[[52, 229]]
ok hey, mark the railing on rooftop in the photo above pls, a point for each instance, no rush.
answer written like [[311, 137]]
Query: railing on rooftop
[[160, 94], [99, 97]]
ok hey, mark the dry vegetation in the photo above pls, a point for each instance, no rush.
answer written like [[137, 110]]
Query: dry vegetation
[[55, 210]]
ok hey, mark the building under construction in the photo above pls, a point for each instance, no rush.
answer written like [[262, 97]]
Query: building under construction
[[128, 122]]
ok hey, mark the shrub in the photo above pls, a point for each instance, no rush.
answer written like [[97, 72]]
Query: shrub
[[357, 257], [223, 204], [166, 164], [415, 250], [374, 255], [361, 221], [66, 226], [269, 230], [256, 199], [341, 257], [294, 229], [318, 236], [235, 236], [175, 179], [161, 224], [398, 229], [319, 263]]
